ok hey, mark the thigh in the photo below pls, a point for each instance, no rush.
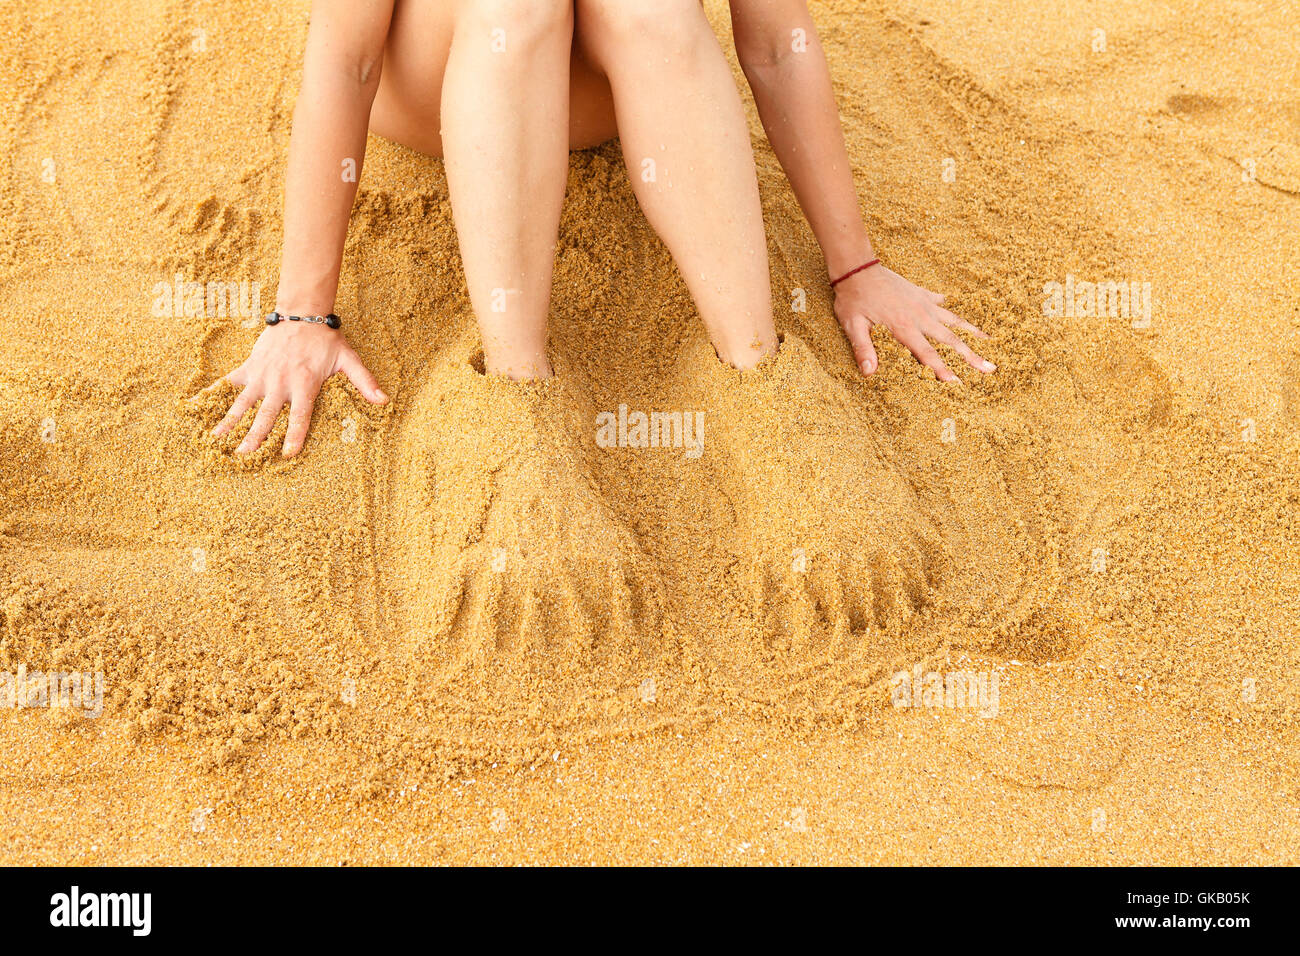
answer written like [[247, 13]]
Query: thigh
[[591, 102], [408, 104]]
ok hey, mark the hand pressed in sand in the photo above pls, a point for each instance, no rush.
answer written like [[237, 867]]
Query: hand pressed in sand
[[288, 365], [913, 315]]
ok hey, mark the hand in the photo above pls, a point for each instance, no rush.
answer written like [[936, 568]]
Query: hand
[[879, 296], [289, 363]]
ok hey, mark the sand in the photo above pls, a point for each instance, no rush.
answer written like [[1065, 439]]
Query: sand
[[462, 629]]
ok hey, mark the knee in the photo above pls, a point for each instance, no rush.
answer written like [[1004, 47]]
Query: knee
[[522, 22], [669, 24]]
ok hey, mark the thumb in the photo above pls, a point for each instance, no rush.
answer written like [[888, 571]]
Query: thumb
[[858, 329], [350, 365]]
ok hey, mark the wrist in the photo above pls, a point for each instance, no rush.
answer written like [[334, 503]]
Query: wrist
[[839, 263], [308, 299], [329, 321], [303, 306], [846, 248], [846, 280]]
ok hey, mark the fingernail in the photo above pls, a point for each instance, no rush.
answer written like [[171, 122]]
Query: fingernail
[[989, 366], [381, 395]]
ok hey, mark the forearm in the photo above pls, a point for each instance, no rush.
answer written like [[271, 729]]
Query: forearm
[[796, 103], [326, 150]]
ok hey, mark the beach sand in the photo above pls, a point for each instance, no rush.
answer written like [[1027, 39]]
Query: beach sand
[[461, 629]]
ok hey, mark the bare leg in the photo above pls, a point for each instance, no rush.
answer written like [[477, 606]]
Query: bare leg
[[408, 104], [686, 144], [505, 108]]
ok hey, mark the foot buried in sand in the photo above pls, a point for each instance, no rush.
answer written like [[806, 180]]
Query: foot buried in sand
[[831, 534], [503, 541]]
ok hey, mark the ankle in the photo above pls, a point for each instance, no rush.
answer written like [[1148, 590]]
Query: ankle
[[748, 354], [518, 367]]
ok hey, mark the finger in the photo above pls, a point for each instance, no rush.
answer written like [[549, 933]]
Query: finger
[[935, 297], [858, 330], [262, 424], [236, 377], [350, 365], [945, 336], [243, 402], [956, 321], [300, 409], [925, 354]]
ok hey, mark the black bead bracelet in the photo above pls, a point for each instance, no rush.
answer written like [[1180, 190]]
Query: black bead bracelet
[[332, 320]]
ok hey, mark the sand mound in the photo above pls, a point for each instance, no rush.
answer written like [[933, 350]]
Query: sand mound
[[828, 534], [501, 538], [504, 566]]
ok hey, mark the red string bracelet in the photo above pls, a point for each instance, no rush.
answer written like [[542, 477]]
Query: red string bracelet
[[853, 272]]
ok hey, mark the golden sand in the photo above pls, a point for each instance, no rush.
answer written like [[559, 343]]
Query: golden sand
[[458, 628]]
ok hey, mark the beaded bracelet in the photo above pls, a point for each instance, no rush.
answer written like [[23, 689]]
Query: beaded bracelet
[[332, 320]]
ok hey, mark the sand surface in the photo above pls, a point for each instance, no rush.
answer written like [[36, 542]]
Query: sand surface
[[458, 629]]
